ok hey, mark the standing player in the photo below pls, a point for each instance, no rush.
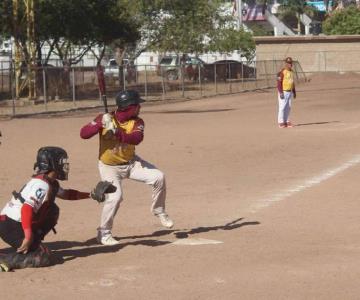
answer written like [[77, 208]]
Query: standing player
[[119, 132], [31, 213], [286, 91]]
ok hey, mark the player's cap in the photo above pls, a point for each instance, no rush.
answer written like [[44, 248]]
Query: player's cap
[[288, 60]]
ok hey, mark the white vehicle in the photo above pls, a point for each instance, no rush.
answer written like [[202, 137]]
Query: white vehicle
[[113, 70]]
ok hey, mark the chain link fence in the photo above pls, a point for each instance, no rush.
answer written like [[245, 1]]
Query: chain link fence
[[64, 89]]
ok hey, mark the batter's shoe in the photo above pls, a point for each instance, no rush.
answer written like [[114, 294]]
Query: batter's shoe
[[165, 220], [282, 125], [289, 124], [107, 240]]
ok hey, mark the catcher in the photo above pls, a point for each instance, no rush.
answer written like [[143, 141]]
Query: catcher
[[31, 213], [119, 132]]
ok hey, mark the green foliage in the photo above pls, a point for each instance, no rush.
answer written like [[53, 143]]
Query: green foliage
[[179, 26], [259, 30], [65, 23], [194, 26], [346, 21], [5, 18], [84, 21], [228, 40]]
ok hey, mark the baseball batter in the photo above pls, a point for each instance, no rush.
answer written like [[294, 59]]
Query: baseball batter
[[286, 91], [119, 132], [31, 213]]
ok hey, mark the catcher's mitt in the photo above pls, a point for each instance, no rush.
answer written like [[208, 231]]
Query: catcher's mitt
[[102, 188]]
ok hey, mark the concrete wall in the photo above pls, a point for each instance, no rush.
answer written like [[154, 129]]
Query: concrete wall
[[314, 53]]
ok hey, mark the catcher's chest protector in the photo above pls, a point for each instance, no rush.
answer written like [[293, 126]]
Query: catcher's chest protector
[[54, 186]]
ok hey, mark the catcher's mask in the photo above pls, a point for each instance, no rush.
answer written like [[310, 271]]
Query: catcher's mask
[[127, 97], [52, 159]]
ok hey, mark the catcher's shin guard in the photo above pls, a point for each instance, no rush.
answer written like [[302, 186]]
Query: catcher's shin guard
[[41, 257]]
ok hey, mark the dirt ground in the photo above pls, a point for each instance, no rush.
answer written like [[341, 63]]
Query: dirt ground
[[260, 212]]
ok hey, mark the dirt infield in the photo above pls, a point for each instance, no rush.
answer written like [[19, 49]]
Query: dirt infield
[[260, 212]]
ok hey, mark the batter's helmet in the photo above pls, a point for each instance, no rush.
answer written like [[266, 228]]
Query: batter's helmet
[[52, 159], [128, 97]]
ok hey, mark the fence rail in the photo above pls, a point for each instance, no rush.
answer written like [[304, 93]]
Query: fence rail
[[62, 89]]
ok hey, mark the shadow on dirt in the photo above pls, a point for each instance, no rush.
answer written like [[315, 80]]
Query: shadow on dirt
[[65, 254], [229, 226], [62, 251], [316, 123]]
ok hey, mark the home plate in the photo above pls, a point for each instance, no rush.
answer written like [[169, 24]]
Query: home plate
[[193, 242]]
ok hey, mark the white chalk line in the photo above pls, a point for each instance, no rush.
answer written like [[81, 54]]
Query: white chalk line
[[265, 202], [195, 242]]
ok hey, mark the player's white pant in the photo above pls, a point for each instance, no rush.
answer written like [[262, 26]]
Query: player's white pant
[[284, 107], [139, 170]]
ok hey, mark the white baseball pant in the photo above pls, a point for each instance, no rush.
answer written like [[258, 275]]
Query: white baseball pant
[[139, 170], [284, 107]]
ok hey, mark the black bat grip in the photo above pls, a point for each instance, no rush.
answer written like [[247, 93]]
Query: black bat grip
[[105, 103]]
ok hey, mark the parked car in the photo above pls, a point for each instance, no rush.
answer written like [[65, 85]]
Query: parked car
[[170, 66], [112, 70], [229, 69]]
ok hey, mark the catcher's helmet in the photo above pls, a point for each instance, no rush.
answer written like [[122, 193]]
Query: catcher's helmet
[[128, 97], [52, 159]]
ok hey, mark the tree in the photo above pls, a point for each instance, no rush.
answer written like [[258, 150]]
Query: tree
[[70, 28], [179, 26], [230, 39], [189, 27], [346, 21], [83, 24], [65, 25]]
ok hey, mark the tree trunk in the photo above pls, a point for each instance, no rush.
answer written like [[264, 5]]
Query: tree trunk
[[119, 56]]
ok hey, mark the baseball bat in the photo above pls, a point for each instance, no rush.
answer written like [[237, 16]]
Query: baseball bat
[[102, 86]]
